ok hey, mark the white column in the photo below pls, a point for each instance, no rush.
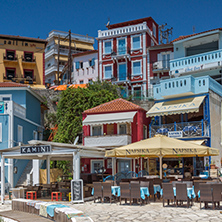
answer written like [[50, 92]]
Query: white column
[[74, 165], [48, 169], [2, 179], [35, 167], [134, 165], [147, 165], [77, 166], [161, 168], [113, 165], [141, 163]]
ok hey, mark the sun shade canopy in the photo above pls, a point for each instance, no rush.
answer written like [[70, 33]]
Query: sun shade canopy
[[162, 146], [108, 118], [172, 107]]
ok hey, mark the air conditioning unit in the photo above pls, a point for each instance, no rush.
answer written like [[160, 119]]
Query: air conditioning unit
[[157, 65]]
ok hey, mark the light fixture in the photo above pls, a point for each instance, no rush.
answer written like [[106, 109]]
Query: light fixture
[[15, 170]]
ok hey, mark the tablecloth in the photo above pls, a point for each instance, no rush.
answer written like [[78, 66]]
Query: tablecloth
[[33, 202], [43, 209], [144, 191], [37, 205], [50, 209], [68, 210], [157, 188]]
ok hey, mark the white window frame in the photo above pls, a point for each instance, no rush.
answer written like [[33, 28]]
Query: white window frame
[[1, 132], [133, 36], [96, 160], [108, 40], [121, 63], [117, 42], [165, 53], [140, 67], [104, 71], [35, 133], [91, 129], [20, 127], [118, 128], [40, 135]]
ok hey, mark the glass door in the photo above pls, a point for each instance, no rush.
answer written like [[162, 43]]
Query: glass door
[[122, 72], [122, 46]]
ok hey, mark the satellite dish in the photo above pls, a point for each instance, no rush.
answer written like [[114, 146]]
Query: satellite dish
[[76, 140]]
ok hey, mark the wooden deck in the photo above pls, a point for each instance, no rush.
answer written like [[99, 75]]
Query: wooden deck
[[23, 217]]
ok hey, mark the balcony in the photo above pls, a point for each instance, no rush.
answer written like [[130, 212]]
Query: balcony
[[124, 52], [29, 60], [161, 66], [108, 140], [10, 58], [185, 129], [15, 78], [52, 69], [127, 30], [185, 86], [137, 94], [195, 63], [19, 110]]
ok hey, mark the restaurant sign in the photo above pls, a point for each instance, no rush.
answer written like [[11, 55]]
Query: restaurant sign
[[35, 149], [175, 134]]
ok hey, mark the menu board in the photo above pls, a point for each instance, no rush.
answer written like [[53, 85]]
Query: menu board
[[77, 191]]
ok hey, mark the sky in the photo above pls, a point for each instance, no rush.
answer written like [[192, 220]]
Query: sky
[[37, 18]]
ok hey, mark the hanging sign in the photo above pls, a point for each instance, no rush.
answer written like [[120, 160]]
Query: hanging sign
[[175, 134], [77, 191], [35, 149]]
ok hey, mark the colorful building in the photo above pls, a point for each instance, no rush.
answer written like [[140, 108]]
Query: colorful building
[[189, 108], [113, 124], [22, 60], [123, 57], [60, 40], [85, 67], [21, 120], [199, 54]]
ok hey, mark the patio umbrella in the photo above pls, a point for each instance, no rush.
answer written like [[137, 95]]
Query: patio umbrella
[[61, 87], [78, 85], [162, 146]]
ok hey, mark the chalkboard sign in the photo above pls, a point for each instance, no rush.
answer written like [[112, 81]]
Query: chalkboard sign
[[77, 191]]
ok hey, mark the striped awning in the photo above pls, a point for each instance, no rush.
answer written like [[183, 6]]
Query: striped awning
[[172, 107]]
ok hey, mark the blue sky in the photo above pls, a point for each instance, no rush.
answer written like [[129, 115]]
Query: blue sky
[[37, 18]]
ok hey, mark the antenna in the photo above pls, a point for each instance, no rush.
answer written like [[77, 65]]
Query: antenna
[[108, 23], [164, 34]]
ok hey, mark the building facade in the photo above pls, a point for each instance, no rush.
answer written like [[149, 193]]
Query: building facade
[[60, 40], [189, 108], [22, 60], [122, 54], [111, 125], [21, 120], [85, 67], [198, 54]]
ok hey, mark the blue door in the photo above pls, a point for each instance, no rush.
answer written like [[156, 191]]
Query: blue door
[[122, 72], [122, 47]]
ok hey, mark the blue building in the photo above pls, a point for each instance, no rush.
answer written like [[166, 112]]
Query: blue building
[[21, 120], [199, 54], [189, 108]]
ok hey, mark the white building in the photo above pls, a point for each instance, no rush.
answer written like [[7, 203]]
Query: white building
[[85, 67], [79, 43]]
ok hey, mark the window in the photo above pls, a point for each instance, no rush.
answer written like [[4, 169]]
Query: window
[[137, 68], [28, 74], [48, 48], [81, 65], [96, 165], [124, 165], [10, 73], [92, 62], [122, 129], [110, 129], [121, 46], [0, 132], [96, 130], [77, 65], [35, 135], [10, 55], [90, 81], [40, 136], [28, 57], [152, 42], [49, 64], [20, 134], [136, 42], [81, 82], [154, 30], [107, 72], [107, 47]]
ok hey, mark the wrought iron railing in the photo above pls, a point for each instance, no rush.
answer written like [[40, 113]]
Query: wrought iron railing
[[188, 129]]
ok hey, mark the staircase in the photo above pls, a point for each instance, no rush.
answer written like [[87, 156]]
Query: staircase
[[23, 179]]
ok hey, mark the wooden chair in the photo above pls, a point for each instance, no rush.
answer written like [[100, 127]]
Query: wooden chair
[[151, 189], [168, 193], [205, 194], [196, 189], [157, 181], [135, 191], [217, 188], [188, 183], [145, 184], [124, 191], [107, 190], [181, 194], [98, 192]]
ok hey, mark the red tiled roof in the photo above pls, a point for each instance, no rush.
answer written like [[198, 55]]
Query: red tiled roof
[[11, 84], [187, 36], [114, 106]]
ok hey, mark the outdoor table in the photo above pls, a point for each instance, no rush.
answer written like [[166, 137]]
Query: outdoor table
[[18, 192], [190, 192]]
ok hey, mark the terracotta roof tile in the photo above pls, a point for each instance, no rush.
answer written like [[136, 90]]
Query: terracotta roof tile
[[187, 36], [114, 106], [11, 84]]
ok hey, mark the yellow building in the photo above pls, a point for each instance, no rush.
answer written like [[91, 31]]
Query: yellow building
[[22, 60]]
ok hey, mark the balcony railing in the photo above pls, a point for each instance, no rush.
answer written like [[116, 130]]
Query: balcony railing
[[29, 59], [186, 129], [107, 140], [196, 62], [15, 78], [10, 57], [121, 52]]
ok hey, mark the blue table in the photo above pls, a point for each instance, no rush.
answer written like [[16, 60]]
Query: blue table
[[190, 192]]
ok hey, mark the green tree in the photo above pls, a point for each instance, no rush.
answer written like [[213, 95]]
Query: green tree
[[74, 101]]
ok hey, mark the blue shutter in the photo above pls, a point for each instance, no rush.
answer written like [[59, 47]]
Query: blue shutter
[[93, 62], [77, 65], [108, 47], [122, 72], [122, 47]]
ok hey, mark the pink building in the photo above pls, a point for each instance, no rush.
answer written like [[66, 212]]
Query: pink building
[[113, 124]]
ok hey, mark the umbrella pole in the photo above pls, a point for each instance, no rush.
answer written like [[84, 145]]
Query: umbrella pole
[[161, 169]]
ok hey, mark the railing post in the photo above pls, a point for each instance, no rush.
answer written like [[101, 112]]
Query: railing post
[[175, 126], [202, 122]]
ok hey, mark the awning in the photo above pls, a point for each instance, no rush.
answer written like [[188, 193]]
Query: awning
[[109, 118], [198, 142], [172, 107]]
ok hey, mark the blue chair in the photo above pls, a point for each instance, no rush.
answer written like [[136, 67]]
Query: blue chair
[[131, 174], [108, 178], [143, 173]]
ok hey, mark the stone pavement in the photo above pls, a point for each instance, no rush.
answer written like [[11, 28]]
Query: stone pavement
[[150, 212]]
